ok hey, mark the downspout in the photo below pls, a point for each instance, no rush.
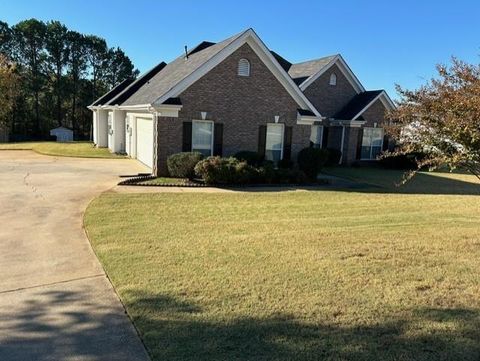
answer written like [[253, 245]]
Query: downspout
[[155, 114], [342, 145]]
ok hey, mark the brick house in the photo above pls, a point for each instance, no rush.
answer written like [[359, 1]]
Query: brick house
[[237, 95]]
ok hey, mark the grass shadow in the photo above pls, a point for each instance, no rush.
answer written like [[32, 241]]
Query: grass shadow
[[377, 180], [177, 330]]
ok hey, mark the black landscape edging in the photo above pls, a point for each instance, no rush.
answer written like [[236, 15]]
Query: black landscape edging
[[135, 181]]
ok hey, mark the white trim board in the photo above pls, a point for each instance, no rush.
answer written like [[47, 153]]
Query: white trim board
[[344, 68], [251, 38]]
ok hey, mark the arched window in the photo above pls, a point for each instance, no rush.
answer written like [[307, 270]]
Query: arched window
[[333, 79], [243, 67]]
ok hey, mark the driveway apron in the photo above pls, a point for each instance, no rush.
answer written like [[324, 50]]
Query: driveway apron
[[55, 300]]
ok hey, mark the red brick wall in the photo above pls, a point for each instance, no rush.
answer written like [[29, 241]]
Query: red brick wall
[[375, 114], [242, 104], [329, 99]]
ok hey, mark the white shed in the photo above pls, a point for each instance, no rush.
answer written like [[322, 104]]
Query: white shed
[[63, 134]]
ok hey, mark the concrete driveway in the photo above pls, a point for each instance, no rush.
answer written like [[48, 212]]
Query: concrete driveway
[[55, 300]]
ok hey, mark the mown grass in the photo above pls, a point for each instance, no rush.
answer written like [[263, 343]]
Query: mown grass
[[69, 149], [423, 182], [307, 275]]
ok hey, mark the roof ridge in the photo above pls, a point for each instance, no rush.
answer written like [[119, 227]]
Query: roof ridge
[[312, 60], [137, 83]]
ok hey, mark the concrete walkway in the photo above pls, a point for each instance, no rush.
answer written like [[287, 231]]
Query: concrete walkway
[[55, 300]]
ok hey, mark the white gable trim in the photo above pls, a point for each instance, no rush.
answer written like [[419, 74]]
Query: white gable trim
[[252, 39], [384, 98], [344, 68]]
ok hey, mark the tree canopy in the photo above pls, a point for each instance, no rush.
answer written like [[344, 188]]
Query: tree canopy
[[58, 72], [441, 119]]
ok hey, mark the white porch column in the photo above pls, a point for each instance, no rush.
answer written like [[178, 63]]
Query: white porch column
[[95, 126], [118, 128], [101, 128]]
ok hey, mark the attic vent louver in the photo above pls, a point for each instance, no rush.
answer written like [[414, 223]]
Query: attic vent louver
[[243, 67]]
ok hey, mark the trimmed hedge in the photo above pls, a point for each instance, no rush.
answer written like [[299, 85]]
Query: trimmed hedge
[[334, 156], [252, 158], [403, 162], [182, 165], [311, 161], [218, 170]]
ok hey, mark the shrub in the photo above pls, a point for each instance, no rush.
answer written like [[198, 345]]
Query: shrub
[[267, 173], [252, 158], [182, 165], [289, 176], [333, 157], [217, 170], [285, 164], [311, 161], [403, 162], [245, 173]]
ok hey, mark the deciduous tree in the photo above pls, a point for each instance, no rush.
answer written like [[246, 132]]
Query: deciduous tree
[[29, 51], [9, 83], [57, 47], [441, 119]]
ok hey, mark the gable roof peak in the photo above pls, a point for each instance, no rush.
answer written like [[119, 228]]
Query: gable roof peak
[[361, 102], [318, 59], [309, 71]]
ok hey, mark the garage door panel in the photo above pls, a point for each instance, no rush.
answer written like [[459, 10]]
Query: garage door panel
[[144, 140]]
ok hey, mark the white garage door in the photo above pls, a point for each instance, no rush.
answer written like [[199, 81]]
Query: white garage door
[[145, 141]]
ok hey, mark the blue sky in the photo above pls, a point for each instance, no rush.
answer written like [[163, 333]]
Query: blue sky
[[384, 42]]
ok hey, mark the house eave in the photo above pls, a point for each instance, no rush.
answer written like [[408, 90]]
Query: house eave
[[347, 123], [308, 119]]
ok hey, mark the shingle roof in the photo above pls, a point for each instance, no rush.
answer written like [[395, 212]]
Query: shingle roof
[[137, 84], [284, 63], [308, 68], [354, 106], [175, 72], [104, 99]]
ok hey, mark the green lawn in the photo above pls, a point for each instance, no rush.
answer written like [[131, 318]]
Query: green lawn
[[423, 182], [70, 149], [374, 274]]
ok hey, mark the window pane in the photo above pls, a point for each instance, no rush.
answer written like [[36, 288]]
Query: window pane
[[377, 137], [372, 142], [273, 155], [205, 152], [376, 152], [202, 133], [274, 136], [367, 136], [273, 146], [365, 153], [316, 135]]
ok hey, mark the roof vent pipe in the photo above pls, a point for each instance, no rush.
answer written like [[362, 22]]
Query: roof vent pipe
[[186, 53]]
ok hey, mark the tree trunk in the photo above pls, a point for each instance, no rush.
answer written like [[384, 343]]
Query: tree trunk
[[59, 99], [37, 114]]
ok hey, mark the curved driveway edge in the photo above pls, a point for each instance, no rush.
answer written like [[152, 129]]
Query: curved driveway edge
[[55, 300]]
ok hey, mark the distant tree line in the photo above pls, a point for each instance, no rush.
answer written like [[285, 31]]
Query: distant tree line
[[52, 74]]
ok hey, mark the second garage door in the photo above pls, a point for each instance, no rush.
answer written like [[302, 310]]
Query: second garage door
[[145, 141]]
